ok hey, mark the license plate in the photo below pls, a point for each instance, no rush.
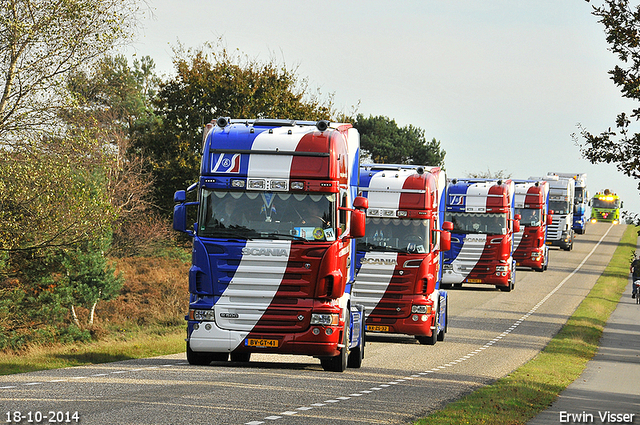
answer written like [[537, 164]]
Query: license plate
[[548, 243], [253, 342], [474, 280], [377, 328]]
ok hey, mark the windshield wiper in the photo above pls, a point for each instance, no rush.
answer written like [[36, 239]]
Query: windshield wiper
[[233, 233], [274, 235]]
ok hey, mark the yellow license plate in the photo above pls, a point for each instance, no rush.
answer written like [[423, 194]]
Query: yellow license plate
[[548, 243], [377, 328], [271, 343], [474, 280]]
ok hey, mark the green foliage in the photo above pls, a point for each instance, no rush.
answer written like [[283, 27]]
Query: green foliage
[[88, 274], [210, 82], [386, 143], [40, 42]]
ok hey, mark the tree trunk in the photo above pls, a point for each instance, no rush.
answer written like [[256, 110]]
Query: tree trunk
[[75, 316]]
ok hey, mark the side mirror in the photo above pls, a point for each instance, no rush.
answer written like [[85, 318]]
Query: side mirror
[[179, 196], [361, 203], [448, 226], [180, 217], [445, 241], [358, 223], [549, 219], [516, 226]]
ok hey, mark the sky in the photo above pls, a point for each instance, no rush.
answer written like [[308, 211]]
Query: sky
[[502, 85]]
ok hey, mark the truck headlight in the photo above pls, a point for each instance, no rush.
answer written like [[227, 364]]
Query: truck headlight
[[202, 315], [325, 319], [421, 309], [502, 268], [447, 267]]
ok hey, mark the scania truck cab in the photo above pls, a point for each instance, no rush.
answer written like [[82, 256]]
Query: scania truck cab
[[273, 259], [581, 201], [399, 257], [531, 203], [484, 222], [561, 206]]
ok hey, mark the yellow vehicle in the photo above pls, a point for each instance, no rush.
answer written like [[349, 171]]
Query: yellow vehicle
[[605, 206]]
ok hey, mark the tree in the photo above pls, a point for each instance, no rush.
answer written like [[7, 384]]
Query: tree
[[112, 101], [385, 143], [500, 174], [210, 83], [621, 147], [41, 41]]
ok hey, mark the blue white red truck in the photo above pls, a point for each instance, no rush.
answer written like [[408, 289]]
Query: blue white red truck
[[581, 201], [399, 258], [484, 221], [531, 204], [561, 206], [273, 258]]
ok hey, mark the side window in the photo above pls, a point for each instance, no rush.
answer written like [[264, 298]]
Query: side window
[[343, 214]]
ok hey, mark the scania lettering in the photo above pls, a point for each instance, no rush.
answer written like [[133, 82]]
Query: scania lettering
[[605, 207], [581, 201], [561, 206], [399, 260], [273, 259], [531, 203], [482, 239]]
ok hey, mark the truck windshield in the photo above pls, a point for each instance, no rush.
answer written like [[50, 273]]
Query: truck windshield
[[604, 203], [485, 223], [249, 215], [395, 235], [529, 216], [559, 207]]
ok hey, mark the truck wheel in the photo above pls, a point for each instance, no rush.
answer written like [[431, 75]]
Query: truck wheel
[[339, 362], [428, 340], [357, 354], [198, 359], [240, 357], [446, 322], [219, 357]]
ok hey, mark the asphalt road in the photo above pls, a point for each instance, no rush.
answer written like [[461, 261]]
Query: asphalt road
[[490, 334]]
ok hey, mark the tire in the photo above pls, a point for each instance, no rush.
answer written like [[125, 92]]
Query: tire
[[428, 340], [446, 322], [219, 357], [357, 354], [339, 362], [240, 357], [198, 359]]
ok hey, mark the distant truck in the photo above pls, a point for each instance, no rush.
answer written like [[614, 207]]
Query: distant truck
[[399, 258], [273, 258], [532, 203], [605, 207], [581, 201], [561, 206], [484, 222]]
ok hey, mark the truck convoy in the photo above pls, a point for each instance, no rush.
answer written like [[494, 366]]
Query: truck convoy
[[531, 203], [273, 260], [399, 257], [482, 243], [581, 201], [561, 206], [606, 207]]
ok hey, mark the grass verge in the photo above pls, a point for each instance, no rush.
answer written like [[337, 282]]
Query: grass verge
[[123, 345], [531, 388]]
